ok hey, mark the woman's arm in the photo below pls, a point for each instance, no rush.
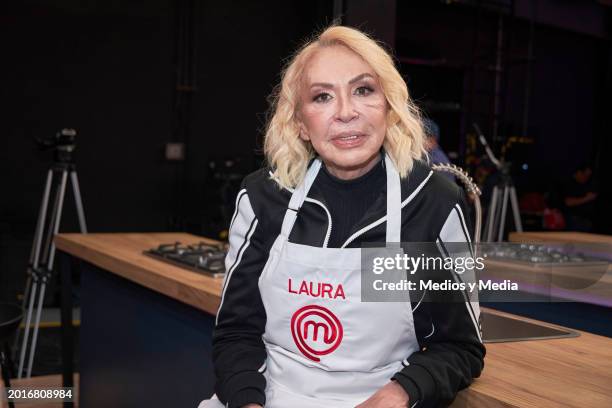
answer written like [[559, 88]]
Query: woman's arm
[[238, 351], [451, 350]]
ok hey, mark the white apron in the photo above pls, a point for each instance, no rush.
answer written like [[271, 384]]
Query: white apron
[[326, 348]]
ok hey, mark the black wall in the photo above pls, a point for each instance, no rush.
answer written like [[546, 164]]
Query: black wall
[[108, 70], [440, 45]]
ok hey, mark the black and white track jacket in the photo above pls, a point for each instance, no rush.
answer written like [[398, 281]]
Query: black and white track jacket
[[433, 209]]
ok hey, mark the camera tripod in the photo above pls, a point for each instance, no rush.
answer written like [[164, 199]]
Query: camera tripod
[[503, 191], [40, 269]]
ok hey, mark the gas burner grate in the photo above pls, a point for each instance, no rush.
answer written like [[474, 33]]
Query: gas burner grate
[[200, 257]]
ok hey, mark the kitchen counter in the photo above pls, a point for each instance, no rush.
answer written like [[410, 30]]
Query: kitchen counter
[[574, 372], [122, 255], [560, 236]]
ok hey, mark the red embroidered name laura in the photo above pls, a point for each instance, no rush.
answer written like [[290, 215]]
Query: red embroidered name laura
[[317, 289]]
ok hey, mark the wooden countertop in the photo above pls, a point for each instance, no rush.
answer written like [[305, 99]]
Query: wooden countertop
[[568, 372], [589, 283], [573, 372], [561, 236], [121, 254], [599, 292]]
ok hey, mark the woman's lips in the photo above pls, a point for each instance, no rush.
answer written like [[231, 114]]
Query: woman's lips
[[347, 140]]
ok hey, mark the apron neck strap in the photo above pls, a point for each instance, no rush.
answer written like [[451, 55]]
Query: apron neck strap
[[394, 199], [394, 202], [298, 197]]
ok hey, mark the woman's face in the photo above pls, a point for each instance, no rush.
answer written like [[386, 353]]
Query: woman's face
[[342, 111]]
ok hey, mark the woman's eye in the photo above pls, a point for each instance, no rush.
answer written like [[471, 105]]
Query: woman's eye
[[363, 91], [322, 97]]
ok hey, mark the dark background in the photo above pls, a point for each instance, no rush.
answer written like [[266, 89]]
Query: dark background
[[132, 76]]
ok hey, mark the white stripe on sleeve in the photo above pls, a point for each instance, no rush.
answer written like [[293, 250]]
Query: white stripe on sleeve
[[454, 231], [242, 229]]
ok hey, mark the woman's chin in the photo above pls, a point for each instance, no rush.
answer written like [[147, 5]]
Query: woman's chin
[[352, 161]]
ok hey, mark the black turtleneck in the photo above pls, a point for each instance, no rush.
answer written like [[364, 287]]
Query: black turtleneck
[[348, 200]]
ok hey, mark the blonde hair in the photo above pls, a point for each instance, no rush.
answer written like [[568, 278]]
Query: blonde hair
[[288, 155]]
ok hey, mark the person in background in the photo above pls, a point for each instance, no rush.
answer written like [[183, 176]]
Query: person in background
[[432, 145], [580, 194]]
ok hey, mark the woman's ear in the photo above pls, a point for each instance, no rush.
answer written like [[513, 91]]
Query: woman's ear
[[303, 130]]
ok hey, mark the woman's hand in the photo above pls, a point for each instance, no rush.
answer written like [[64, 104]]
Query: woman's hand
[[252, 406], [391, 395]]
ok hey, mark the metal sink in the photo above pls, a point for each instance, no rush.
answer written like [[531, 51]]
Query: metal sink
[[498, 329]]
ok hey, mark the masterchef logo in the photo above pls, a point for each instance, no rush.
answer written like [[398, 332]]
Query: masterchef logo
[[316, 331]]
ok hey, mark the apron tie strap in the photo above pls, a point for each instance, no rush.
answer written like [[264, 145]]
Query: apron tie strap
[[394, 202]]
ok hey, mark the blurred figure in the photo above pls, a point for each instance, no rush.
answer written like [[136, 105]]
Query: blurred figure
[[432, 145], [579, 197]]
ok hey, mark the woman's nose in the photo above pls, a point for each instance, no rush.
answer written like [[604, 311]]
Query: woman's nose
[[345, 110]]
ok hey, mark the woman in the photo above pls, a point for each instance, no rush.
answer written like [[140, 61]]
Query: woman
[[344, 150]]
